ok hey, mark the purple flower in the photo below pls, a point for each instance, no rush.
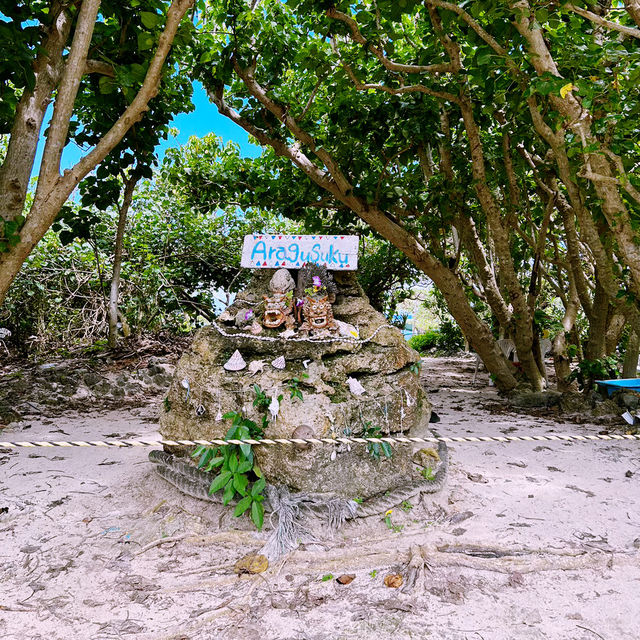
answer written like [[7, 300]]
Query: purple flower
[[317, 282], [248, 314], [299, 303]]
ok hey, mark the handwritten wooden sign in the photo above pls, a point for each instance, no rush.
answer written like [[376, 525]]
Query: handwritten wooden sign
[[338, 253]]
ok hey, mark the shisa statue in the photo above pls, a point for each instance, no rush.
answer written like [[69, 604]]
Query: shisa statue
[[317, 291], [278, 307]]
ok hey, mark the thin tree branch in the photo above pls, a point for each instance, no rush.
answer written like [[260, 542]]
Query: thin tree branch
[[608, 24], [312, 96], [97, 66], [67, 92], [414, 88], [388, 64]]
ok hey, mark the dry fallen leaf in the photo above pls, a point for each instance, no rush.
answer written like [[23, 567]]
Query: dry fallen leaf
[[346, 578], [251, 563], [393, 580]]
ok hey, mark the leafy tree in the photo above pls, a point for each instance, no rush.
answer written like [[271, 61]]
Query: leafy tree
[[209, 176], [115, 48], [179, 264], [463, 133]]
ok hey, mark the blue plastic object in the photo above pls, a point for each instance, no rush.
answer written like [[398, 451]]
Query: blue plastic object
[[630, 384]]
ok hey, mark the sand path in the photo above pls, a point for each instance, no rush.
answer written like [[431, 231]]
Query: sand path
[[526, 541]]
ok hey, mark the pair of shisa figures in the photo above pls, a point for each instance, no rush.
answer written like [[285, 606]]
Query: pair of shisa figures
[[308, 304]]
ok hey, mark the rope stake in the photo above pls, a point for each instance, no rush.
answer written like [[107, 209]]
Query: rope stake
[[392, 440]]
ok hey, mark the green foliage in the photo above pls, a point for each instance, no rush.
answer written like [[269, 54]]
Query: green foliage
[[428, 474], [237, 474], [294, 387], [446, 338], [450, 336], [588, 371], [424, 342], [179, 264], [376, 448]]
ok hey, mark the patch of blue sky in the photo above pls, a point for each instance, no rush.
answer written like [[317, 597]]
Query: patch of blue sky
[[202, 120]]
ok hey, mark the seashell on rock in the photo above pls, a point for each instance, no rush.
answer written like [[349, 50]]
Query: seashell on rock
[[255, 366], [302, 432], [201, 410], [279, 363], [235, 362], [288, 333], [219, 416], [347, 330], [226, 316], [255, 328], [355, 387]]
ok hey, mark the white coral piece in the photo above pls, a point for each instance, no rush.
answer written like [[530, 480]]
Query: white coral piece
[[255, 366], [279, 363], [355, 387], [274, 407]]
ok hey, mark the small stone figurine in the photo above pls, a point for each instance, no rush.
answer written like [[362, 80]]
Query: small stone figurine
[[278, 307]]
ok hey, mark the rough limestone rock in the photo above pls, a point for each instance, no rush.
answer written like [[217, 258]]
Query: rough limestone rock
[[394, 400]]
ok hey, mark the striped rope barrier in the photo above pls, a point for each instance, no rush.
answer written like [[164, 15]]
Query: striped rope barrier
[[393, 440]]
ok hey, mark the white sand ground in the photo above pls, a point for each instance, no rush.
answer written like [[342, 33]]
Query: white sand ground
[[71, 564]]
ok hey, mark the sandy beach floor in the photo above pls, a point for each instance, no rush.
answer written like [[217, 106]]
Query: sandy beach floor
[[527, 540]]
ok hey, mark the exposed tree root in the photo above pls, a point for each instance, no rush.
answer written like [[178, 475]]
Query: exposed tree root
[[479, 558]]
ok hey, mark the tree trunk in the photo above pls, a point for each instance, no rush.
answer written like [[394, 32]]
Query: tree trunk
[[615, 327], [54, 188], [630, 364], [25, 132], [522, 321], [129, 187], [560, 355], [596, 343]]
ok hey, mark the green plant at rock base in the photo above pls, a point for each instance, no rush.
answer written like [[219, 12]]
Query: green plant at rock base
[[373, 573], [589, 371], [236, 469], [374, 448], [396, 528], [427, 474], [294, 387], [262, 402], [327, 577]]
